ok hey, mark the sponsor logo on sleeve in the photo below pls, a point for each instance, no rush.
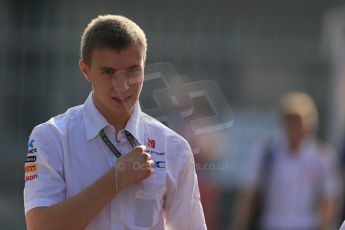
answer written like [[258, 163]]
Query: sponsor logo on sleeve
[[30, 177], [30, 159], [31, 144], [34, 150], [30, 168], [31, 147]]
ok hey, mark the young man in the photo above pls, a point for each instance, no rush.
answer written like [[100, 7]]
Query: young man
[[105, 164]]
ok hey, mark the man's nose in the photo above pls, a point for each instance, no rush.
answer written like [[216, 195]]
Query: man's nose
[[120, 82]]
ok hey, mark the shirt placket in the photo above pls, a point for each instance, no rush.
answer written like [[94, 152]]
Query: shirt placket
[[123, 146]]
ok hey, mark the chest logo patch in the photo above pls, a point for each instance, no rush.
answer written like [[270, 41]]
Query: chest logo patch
[[151, 143]]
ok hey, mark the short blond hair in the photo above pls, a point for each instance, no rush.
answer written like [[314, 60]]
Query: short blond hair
[[110, 31], [301, 104]]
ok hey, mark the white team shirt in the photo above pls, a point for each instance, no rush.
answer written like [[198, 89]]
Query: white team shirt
[[295, 185], [66, 155]]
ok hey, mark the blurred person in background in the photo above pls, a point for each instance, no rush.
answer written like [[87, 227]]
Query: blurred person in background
[[292, 183]]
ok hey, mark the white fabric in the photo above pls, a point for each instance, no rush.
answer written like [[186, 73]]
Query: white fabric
[[296, 184], [71, 156], [342, 227]]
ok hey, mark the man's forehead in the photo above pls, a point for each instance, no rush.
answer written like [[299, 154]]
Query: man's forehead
[[118, 59]]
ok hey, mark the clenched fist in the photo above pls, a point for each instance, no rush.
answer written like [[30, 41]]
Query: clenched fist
[[134, 167]]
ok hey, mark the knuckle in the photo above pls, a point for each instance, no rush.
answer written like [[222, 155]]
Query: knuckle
[[146, 156], [140, 148]]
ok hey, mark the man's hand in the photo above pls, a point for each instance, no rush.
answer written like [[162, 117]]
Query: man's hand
[[134, 167]]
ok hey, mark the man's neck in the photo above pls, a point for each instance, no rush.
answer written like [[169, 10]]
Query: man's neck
[[118, 120], [294, 146], [119, 123]]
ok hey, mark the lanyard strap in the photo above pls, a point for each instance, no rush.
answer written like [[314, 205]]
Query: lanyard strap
[[110, 145], [130, 138]]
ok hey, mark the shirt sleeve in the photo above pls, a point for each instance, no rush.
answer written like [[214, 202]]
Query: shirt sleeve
[[44, 183], [183, 209]]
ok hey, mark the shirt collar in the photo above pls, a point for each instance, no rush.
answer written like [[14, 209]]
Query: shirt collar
[[135, 124], [94, 121]]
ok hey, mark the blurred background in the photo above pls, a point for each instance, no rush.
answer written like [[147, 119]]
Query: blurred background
[[255, 50]]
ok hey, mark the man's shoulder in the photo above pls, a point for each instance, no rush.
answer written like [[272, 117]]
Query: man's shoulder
[[61, 122]]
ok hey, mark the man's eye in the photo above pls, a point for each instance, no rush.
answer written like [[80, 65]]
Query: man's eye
[[108, 72], [134, 69]]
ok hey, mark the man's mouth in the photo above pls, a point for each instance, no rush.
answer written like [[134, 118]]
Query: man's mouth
[[121, 99]]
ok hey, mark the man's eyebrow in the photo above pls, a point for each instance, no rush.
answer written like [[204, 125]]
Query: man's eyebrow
[[133, 66], [106, 68], [103, 68]]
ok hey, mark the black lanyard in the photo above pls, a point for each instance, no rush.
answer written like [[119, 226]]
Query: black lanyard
[[110, 145]]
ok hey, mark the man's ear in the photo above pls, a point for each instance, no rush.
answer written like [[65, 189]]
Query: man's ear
[[85, 69]]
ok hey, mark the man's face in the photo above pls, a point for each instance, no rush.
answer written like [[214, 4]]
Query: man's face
[[294, 127], [116, 77]]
